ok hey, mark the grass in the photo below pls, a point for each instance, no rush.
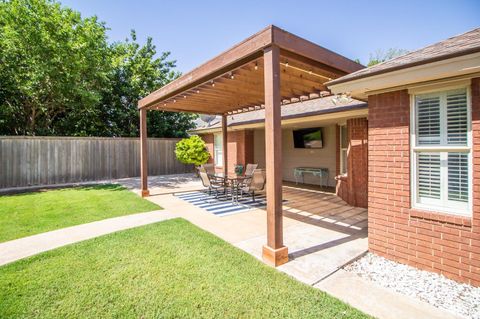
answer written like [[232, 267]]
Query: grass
[[170, 269], [37, 212]]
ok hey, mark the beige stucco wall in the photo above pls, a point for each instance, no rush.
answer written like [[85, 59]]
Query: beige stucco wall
[[297, 157]]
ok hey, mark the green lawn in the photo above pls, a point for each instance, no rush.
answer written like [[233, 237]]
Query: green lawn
[[170, 269], [37, 212]]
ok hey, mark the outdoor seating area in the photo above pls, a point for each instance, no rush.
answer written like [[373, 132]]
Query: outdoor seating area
[[233, 187]]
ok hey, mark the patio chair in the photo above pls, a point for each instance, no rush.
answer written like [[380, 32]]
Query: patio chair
[[250, 168], [254, 184], [211, 184], [209, 168]]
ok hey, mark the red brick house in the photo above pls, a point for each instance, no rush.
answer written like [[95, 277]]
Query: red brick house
[[424, 156], [401, 138], [412, 155]]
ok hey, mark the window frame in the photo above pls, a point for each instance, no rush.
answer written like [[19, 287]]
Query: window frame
[[343, 150], [218, 149], [443, 205]]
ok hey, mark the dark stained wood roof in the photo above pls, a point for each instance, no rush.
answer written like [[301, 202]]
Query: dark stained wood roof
[[463, 44], [233, 81]]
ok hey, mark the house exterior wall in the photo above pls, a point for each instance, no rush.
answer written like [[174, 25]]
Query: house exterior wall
[[296, 157], [240, 148], [208, 139], [353, 187], [446, 244]]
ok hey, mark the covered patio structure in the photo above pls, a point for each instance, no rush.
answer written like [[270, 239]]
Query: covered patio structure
[[267, 70]]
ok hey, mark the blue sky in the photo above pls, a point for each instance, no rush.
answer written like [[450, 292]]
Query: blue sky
[[195, 31]]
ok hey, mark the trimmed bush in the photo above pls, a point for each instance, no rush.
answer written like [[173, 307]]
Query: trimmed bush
[[192, 150]]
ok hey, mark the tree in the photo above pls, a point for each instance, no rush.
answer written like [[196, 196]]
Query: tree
[[60, 76], [53, 68], [192, 150], [135, 73], [381, 56]]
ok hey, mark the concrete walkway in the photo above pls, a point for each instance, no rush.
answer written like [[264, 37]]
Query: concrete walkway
[[13, 250]]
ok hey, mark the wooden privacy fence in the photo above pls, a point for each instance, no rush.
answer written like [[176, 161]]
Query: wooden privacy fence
[[27, 161]]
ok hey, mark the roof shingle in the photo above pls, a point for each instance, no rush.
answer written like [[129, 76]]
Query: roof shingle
[[299, 109]]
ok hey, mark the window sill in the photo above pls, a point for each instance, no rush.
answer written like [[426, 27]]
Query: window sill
[[443, 218]]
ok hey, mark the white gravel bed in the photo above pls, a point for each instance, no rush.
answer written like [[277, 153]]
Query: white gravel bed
[[443, 293]]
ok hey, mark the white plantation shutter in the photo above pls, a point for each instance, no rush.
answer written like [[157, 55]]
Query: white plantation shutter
[[457, 118], [429, 175], [458, 177], [428, 120], [442, 151]]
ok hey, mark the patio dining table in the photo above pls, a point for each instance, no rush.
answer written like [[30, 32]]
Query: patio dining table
[[232, 180]]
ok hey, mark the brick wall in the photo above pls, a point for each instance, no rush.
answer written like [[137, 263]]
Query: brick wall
[[442, 243], [240, 148], [208, 139], [353, 187]]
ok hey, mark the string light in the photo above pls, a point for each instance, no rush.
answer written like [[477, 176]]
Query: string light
[[213, 83], [306, 71], [174, 101], [198, 91], [256, 66]]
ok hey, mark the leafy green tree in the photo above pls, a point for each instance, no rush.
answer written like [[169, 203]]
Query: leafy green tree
[[53, 68], [60, 76], [135, 73], [192, 150], [381, 56]]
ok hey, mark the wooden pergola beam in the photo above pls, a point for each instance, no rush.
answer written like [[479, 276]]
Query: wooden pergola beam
[[225, 145], [273, 252], [143, 154]]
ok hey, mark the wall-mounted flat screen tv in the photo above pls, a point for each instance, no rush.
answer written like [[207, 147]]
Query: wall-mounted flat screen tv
[[308, 138]]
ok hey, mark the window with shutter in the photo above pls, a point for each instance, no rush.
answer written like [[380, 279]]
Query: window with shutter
[[458, 177], [457, 118], [428, 120], [429, 175], [442, 152]]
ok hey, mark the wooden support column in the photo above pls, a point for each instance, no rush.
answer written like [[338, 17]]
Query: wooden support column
[[143, 153], [225, 144], [274, 252]]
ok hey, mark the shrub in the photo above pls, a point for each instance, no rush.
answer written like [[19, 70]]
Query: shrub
[[192, 150]]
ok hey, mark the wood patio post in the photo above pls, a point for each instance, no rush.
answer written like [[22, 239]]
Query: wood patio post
[[225, 144], [274, 252], [143, 153]]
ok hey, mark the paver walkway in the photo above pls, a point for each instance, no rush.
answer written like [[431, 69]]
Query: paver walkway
[[28, 246]]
